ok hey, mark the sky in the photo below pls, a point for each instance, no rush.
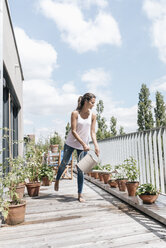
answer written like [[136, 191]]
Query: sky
[[70, 47]]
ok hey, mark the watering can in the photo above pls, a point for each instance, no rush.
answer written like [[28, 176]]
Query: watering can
[[87, 162]]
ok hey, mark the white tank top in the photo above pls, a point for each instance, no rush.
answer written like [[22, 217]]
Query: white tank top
[[83, 130]]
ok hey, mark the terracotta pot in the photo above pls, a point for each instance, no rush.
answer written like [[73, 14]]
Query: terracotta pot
[[132, 188], [33, 188], [46, 181], [16, 214], [92, 174], [101, 177], [122, 184], [106, 177], [148, 199], [20, 190], [54, 148], [113, 183], [96, 175]]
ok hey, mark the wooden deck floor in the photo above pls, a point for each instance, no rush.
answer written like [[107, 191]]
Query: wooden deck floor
[[57, 219]]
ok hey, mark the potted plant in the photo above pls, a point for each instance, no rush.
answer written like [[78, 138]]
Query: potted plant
[[17, 175], [46, 174], [106, 172], [95, 171], [130, 166], [121, 177], [33, 164], [148, 193], [12, 206], [55, 143]]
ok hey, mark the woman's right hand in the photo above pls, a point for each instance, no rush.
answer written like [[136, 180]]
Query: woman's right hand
[[86, 148]]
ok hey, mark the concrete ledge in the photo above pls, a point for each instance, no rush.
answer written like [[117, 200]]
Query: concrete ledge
[[156, 210]]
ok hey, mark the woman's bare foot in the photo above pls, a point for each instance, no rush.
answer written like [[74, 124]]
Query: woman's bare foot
[[80, 198], [56, 185]]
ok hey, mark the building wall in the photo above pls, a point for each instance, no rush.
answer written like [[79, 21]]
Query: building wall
[[12, 65]]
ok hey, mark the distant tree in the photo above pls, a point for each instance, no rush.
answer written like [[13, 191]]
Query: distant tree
[[121, 130], [102, 132], [144, 118], [160, 110], [67, 128], [113, 122]]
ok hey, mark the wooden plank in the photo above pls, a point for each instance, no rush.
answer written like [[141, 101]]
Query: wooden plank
[[102, 219]]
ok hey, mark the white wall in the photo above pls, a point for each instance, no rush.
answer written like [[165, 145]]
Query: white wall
[[12, 63]]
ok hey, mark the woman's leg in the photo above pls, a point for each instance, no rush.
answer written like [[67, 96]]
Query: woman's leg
[[80, 175], [66, 157]]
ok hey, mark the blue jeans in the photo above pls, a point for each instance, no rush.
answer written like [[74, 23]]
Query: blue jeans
[[68, 150]]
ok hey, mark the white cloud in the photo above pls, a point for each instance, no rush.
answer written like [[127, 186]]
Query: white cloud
[[28, 122], [158, 84], [95, 79], [41, 97], [38, 57], [69, 87], [156, 12], [80, 34]]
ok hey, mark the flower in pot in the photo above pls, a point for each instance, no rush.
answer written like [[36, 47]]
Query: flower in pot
[[148, 193], [46, 174], [121, 177], [132, 173], [106, 172]]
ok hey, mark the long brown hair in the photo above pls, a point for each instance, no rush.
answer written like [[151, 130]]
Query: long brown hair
[[82, 99]]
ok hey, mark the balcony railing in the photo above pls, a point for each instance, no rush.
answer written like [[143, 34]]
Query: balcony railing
[[149, 150]]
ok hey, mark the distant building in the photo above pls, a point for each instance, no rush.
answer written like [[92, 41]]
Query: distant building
[[11, 88]]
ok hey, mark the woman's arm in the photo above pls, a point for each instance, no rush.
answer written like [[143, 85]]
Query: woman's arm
[[93, 134], [74, 117]]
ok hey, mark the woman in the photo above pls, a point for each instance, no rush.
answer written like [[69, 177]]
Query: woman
[[83, 123]]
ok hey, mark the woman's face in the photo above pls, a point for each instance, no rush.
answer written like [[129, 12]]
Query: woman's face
[[91, 103]]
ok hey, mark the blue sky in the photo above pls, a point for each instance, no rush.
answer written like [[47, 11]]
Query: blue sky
[[70, 47]]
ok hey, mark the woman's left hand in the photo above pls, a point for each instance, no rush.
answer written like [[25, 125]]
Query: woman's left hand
[[97, 151]]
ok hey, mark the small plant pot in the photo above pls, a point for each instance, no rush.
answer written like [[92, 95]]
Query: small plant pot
[[113, 183], [132, 188], [46, 181], [16, 214], [101, 176], [20, 190], [122, 184], [54, 148], [96, 175], [148, 199], [33, 189], [106, 177]]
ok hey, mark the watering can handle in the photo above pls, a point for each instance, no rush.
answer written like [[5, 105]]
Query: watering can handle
[[89, 150]]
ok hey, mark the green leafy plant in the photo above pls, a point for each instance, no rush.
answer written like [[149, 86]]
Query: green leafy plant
[[121, 172], [56, 139], [4, 202], [107, 167], [147, 189], [46, 171], [33, 161], [97, 167], [130, 167]]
